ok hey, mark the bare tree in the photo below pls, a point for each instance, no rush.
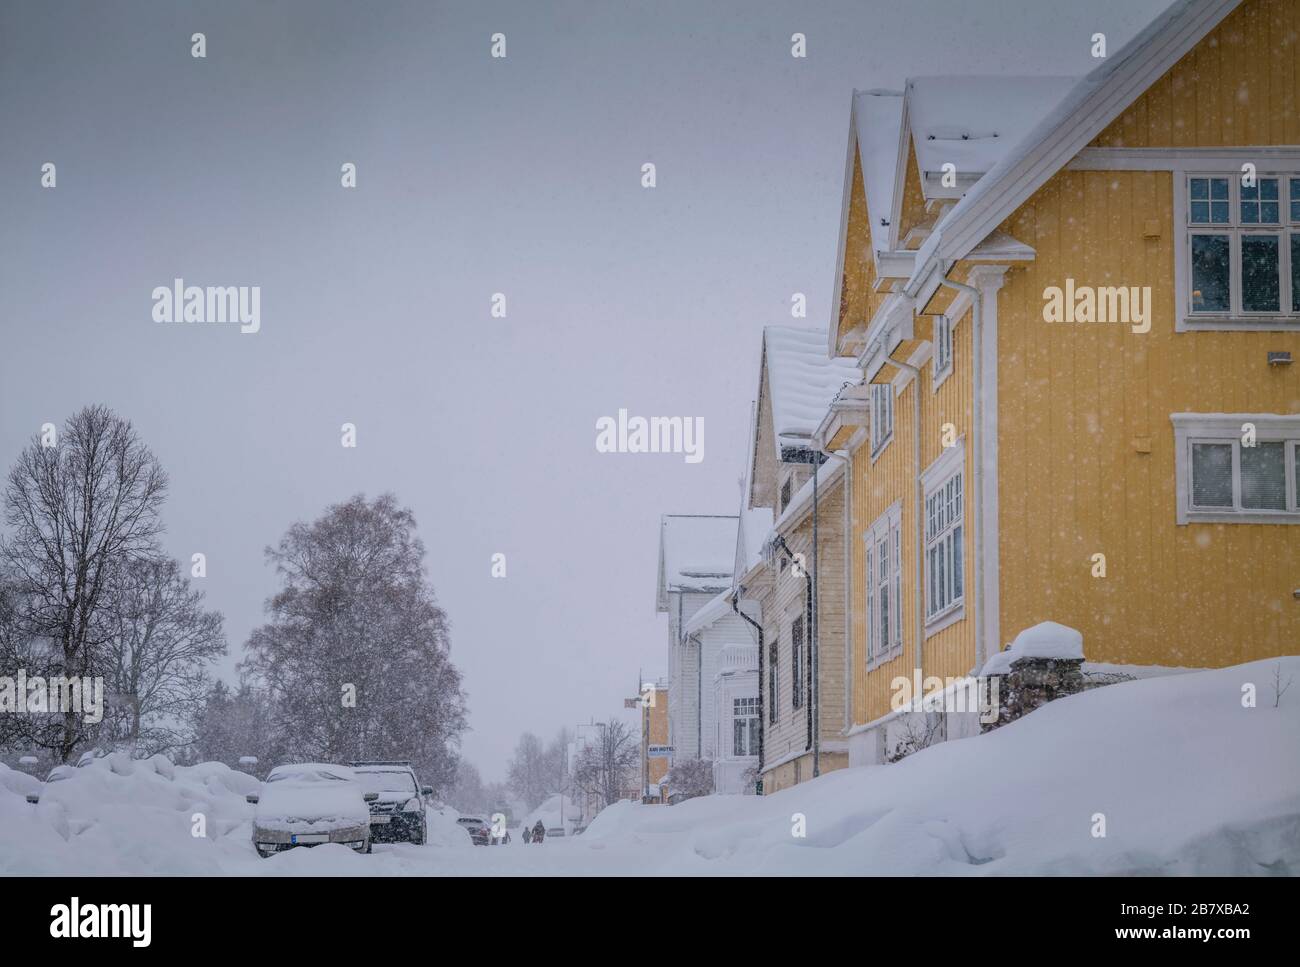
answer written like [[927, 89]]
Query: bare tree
[[77, 509], [606, 768], [158, 642], [530, 773], [356, 656]]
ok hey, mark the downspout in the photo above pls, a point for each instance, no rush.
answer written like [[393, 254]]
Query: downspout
[[808, 596], [814, 713], [735, 606], [918, 597], [699, 695], [847, 486], [977, 452]]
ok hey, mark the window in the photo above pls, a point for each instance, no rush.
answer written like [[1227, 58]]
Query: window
[[785, 493], [942, 364], [882, 416], [944, 526], [744, 726], [772, 681], [1237, 467], [1243, 247], [796, 662], [883, 569]]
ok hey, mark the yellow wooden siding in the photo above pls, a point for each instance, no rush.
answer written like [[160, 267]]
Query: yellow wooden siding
[[951, 651], [912, 211], [1238, 86], [858, 300], [1074, 398]]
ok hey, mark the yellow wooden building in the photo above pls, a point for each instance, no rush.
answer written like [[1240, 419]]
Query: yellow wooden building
[[1076, 305]]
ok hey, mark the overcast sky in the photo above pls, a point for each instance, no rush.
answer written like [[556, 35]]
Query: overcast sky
[[475, 175]]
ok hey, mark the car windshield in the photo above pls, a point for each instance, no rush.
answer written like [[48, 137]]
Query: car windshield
[[306, 775], [388, 782]]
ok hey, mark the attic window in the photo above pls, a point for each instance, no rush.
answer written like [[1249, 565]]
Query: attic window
[[786, 489]]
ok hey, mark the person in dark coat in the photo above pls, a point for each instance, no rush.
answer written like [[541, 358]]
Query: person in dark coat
[[539, 831], [527, 833]]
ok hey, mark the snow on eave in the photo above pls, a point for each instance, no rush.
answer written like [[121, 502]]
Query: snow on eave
[[800, 506], [1081, 115], [696, 554], [801, 380]]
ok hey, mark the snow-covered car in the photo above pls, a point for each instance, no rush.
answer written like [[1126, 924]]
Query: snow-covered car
[[479, 830], [57, 774], [397, 815], [310, 803]]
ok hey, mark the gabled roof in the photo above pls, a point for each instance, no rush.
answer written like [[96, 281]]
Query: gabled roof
[[696, 553], [801, 381], [1077, 119], [877, 121], [972, 121]]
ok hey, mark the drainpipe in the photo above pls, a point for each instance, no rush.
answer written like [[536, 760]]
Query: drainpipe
[[735, 606], [808, 596], [699, 695], [977, 452], [918, 597], [814, 694], [847, 489]]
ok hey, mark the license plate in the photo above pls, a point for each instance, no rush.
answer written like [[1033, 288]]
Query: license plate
[[303, 838], [380, 819]]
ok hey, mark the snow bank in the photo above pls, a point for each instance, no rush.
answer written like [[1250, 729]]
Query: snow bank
[[1189, 782], [118, 815], [1187, 779]]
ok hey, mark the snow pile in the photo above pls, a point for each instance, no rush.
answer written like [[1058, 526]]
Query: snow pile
[[1046, 640], [118, 815], [1189, 782], [444, 831], [801, 381], [18, 783]]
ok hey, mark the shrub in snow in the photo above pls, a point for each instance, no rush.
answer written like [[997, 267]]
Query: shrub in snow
[[689, 778]]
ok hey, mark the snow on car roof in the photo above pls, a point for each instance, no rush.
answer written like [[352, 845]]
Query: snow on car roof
[[310, 768]]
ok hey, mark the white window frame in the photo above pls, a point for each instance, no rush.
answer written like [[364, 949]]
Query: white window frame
[[886, 530], [882, 417], [1285, 170], [744, 709], [942, 355], [949, 466], [1191, 428]]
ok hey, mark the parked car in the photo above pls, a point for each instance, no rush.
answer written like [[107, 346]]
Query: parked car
[[397, 815], [57, 774], [310, 803], [480, 832]]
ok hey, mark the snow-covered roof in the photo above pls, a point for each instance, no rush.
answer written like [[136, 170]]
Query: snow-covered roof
[[716, 608], [971, 121], [877, 123], [1059, 134], [801, 380], [696, 553]]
